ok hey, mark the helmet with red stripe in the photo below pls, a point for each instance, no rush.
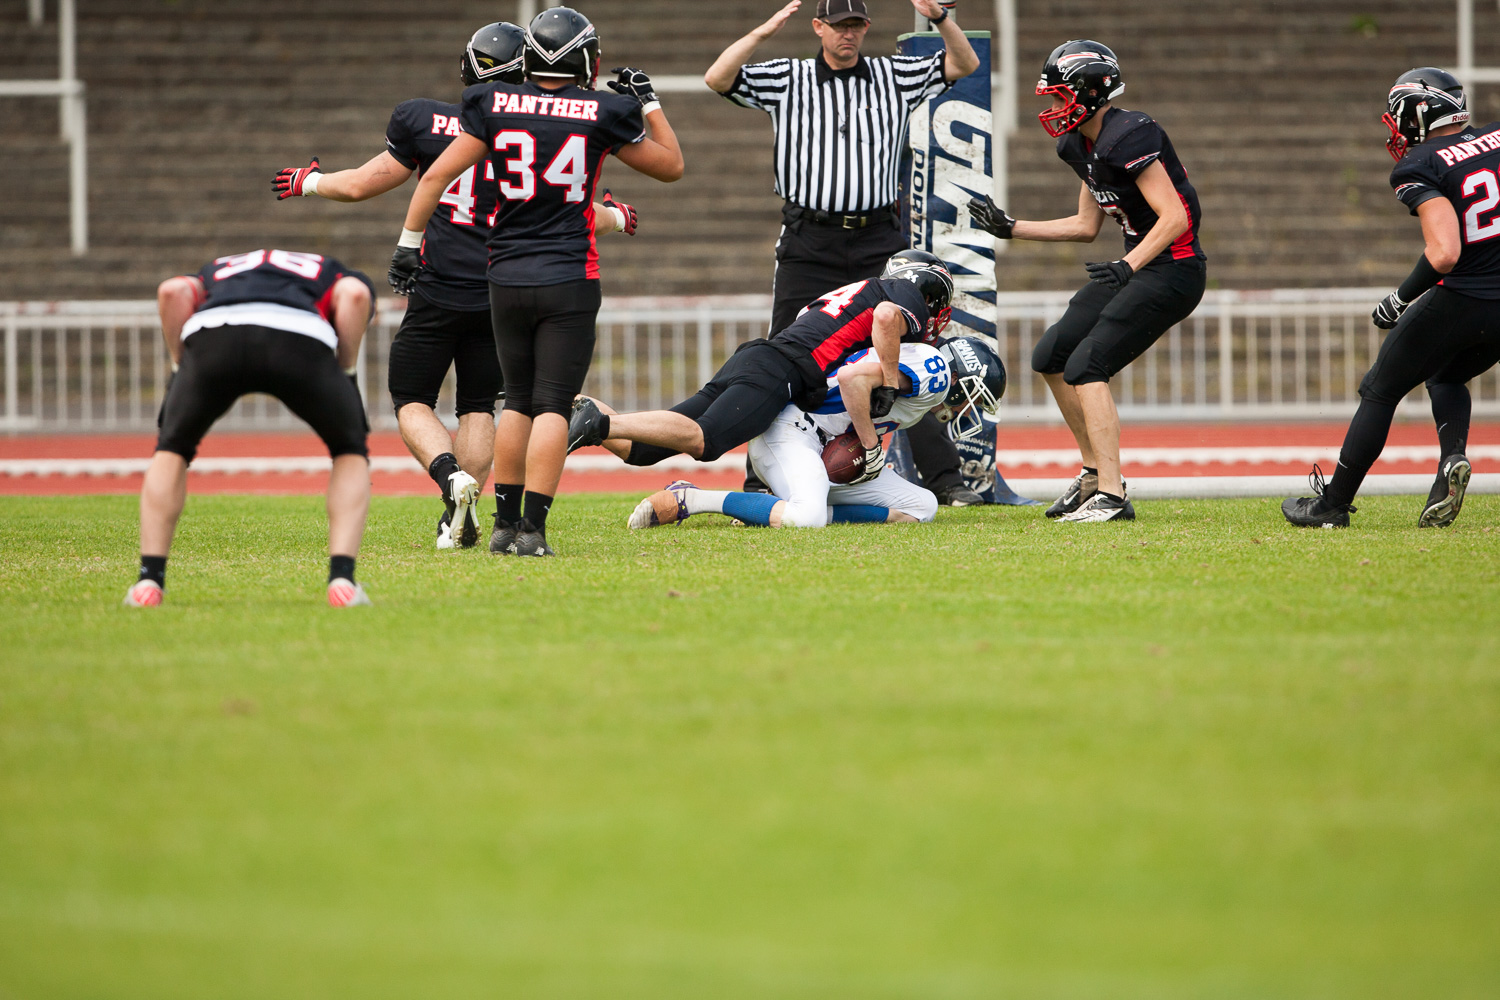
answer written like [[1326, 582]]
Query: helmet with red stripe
[[930, 275], [1086, 75], [1420, 101]]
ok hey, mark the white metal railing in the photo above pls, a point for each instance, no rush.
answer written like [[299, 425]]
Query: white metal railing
[[1294, 354], [68, 89]]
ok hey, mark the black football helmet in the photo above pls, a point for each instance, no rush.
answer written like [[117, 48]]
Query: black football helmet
[[1420, 101], [561, 43], [977, 381], [932, 279], [494, 54], [1086, 75]]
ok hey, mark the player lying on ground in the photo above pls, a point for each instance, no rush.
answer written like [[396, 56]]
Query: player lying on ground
[[909, 302], [1451, 332], [545, 141], [286, 324], [957, 383], [447, 320]]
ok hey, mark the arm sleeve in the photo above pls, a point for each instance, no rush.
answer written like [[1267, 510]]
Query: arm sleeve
[[919, 77], [626, 127], [399, 141], [1137, 149], [472, 115], [761, 85], [913, 307], [1414, 182]]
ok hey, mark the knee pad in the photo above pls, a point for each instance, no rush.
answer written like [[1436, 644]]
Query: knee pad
[[1369, 389], [519, 402], [712, 448], [924, 510], [804, 514], [1084, 366], [1042, 360]]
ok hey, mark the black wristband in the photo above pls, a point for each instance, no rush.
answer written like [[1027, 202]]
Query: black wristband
[[1422, 277], [935, 21]]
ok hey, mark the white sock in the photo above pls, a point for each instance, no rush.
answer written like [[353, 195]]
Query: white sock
[[706, 501]]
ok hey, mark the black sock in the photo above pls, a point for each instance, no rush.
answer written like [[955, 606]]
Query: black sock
[[508, 501], [154, 568], [1451, 408], [1112, 496], [1363, 444], [340, 568], [604, 426], [441, 468], [1092, 472], [537, 505]]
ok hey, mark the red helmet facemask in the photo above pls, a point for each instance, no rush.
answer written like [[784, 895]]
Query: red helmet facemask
[[1060, 121], [1397, 144], [937, 324]]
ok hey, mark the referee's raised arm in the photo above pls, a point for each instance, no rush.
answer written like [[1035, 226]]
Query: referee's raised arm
[[720, 76]]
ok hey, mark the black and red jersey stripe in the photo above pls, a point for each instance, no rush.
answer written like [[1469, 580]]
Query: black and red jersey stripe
[[840, 322]]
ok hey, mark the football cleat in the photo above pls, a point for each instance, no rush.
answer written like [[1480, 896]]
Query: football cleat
[[463, 493], [1447, 496], [143, 594], [958, 495], [1101, 507], [668, 506], [531, 540], [503, 537], [445, 527], [1079, 490], [1314, 511], [344, 593], [585, 426]]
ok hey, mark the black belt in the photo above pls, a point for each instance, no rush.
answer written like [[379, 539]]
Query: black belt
[[796, 213]]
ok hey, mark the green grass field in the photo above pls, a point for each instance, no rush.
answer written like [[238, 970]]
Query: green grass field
[[1204, 755]]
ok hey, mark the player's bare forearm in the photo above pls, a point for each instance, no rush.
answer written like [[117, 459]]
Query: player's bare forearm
[[855, 383], [1171, 217], [720, 76], [461, 154], [380, 174], [658, 156], [885, 340], [176, 298], [1082, 227], [1440, 233], [353, 306], [960, 60]]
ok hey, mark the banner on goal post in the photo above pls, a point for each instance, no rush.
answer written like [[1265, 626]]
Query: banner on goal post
[[950, 160]]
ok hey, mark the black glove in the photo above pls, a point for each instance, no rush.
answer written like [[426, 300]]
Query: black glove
[[636, 84], [1389, 311], [991, 218], [608, 201], [1110, 274], [874, 463], [289, 180], [882, 398], [406, 264]]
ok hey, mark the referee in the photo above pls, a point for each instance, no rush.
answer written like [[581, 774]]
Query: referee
[[840, 125]]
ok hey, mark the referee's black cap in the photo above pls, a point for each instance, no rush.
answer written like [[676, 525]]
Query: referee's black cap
[[834, 11]]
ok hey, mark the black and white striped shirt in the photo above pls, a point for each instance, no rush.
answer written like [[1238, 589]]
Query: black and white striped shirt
[[839, 133]]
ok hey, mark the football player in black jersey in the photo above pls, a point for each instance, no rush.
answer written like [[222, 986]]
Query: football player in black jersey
[[272, 321], [1445, 317], [909, 302], [1130, 172], [543, 142], [447, 319]]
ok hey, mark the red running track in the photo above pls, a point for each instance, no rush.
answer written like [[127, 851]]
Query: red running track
[[415, 482]]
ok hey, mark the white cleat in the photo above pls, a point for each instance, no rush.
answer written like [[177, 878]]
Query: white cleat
[[463, 493], [344, 593], [445, 530], [1099, 508], [143, 594]]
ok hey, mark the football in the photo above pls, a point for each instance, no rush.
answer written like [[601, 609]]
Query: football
[[844, 458]]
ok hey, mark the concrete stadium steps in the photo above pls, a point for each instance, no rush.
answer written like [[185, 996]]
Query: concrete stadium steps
[[193, 104]]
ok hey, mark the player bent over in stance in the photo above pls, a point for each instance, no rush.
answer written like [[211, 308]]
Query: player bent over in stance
[[955, 382], [909, 302], [447, 319], [286, 324], [546, 140], [1445, 317], [1131, 172]]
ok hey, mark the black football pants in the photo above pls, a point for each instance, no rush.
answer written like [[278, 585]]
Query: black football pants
[[1444, 339]]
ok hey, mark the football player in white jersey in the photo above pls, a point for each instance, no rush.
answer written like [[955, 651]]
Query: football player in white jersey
[[956, 381]]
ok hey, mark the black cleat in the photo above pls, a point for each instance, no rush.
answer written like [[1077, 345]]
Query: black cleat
[[1314, 511], [1078, 491], [503, 538], [531, 540], [586, 426], [1101, 507], [445, 526], [958, 495], [1447, 496]]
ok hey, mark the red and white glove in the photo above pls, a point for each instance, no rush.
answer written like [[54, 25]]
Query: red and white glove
[[625, 216], [296, 182]]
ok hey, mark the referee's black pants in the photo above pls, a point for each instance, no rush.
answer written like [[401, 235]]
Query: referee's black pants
[[813, 259]]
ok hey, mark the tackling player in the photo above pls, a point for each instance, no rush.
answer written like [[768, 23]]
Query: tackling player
[[1131, 172], [908, 302], [955, 382], [286, 324], [1445, 317], [546, 140], [447, 319]]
